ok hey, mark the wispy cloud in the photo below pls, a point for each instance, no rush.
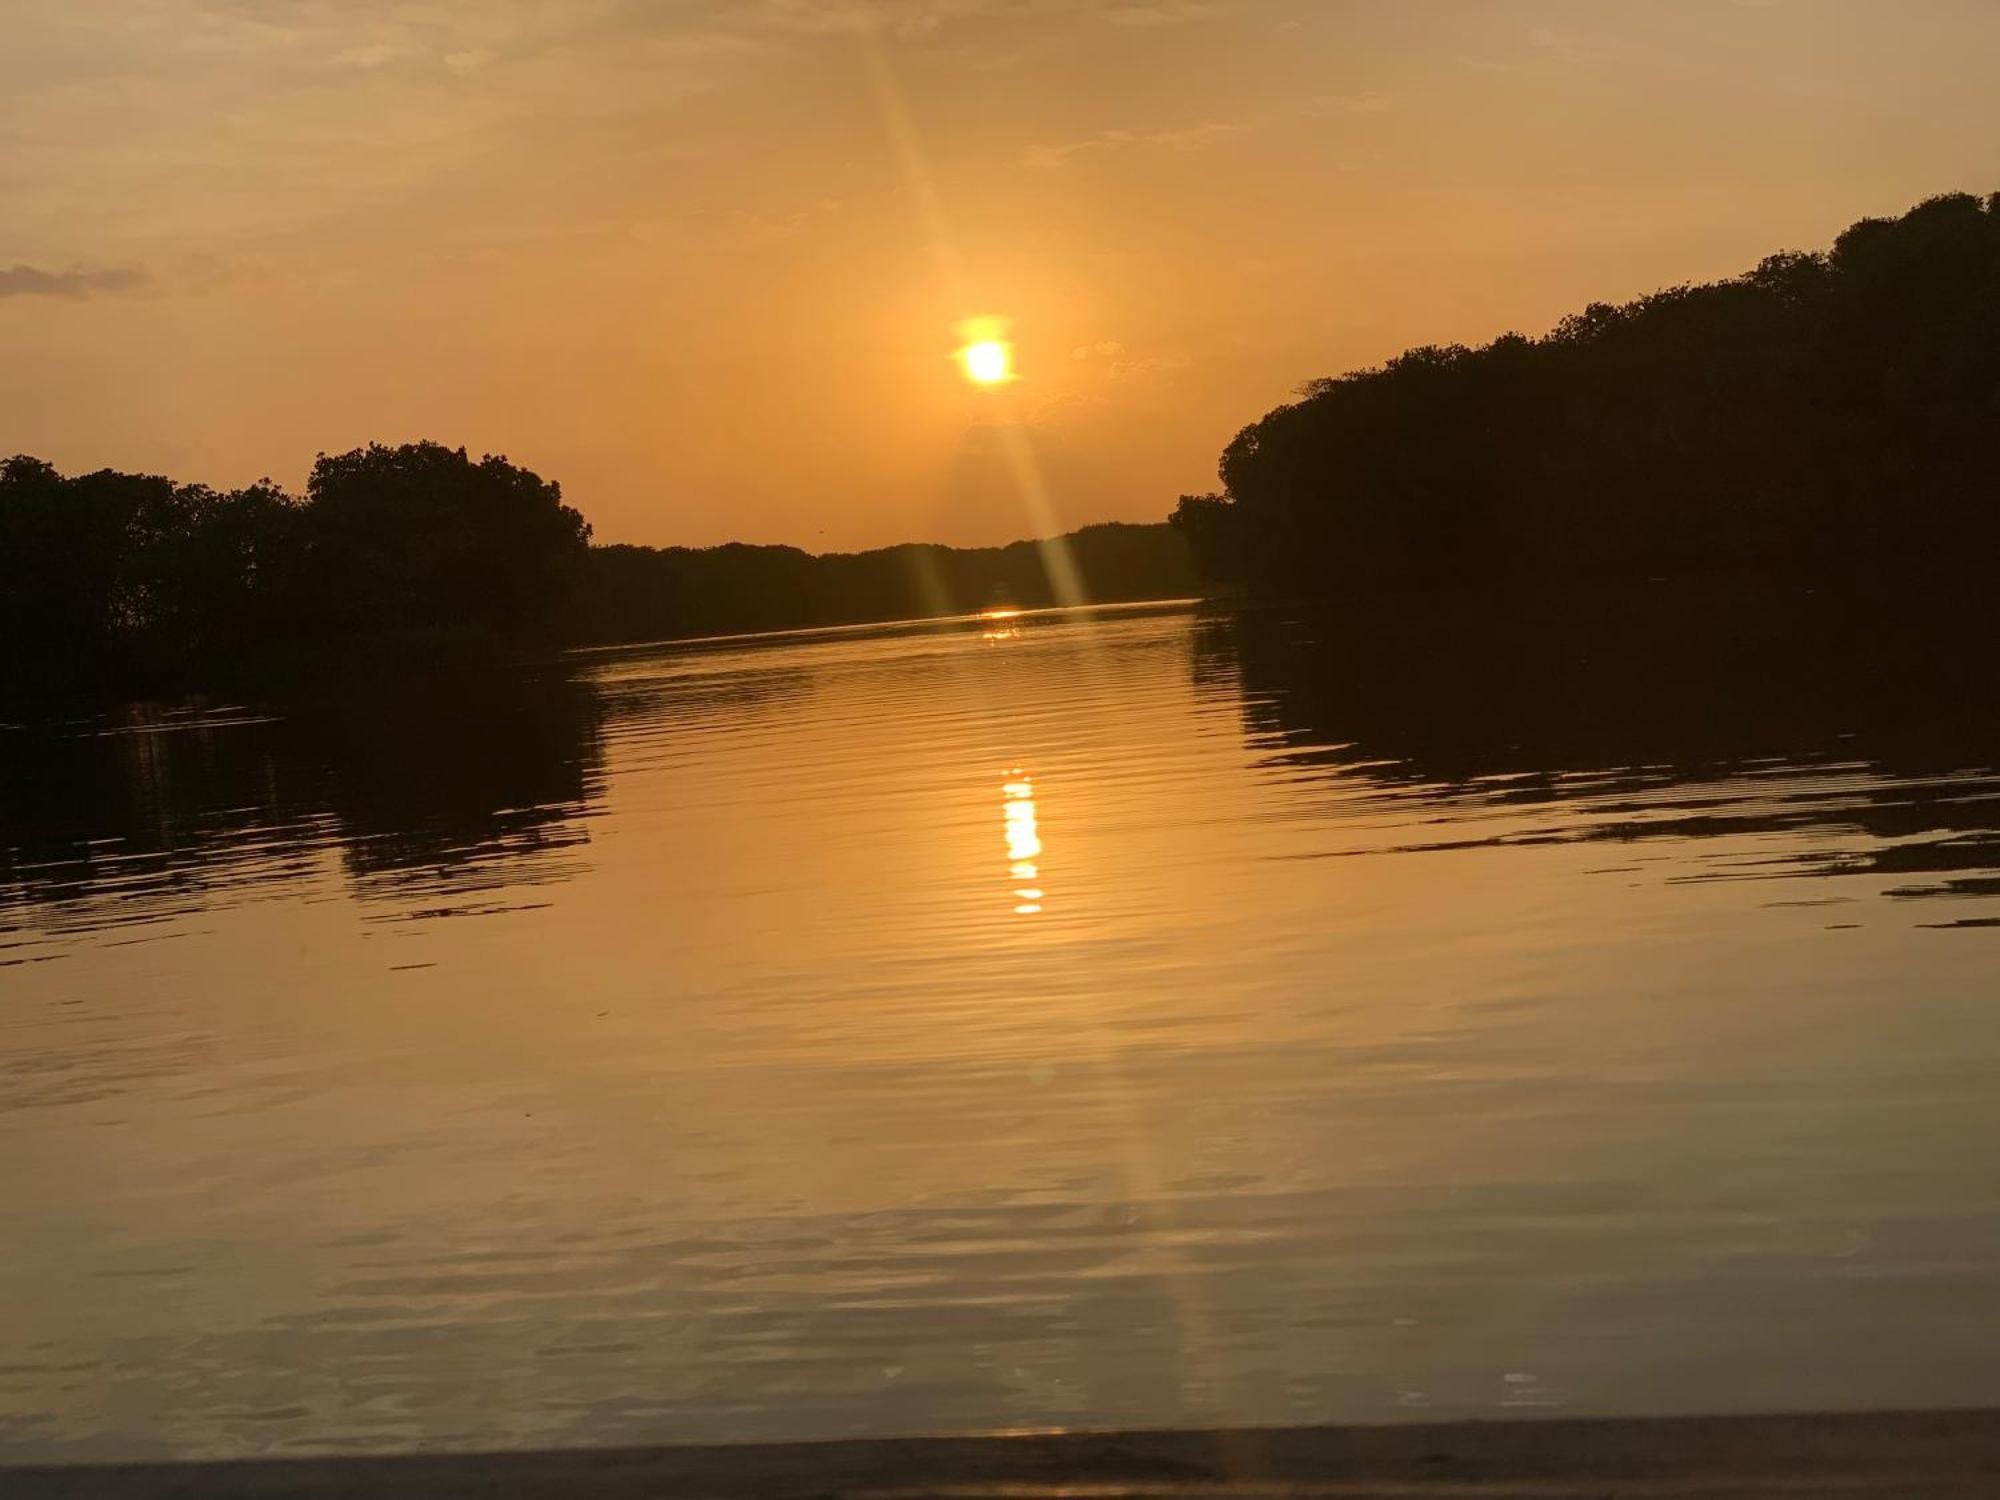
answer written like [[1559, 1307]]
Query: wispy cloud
[[1152, 364], [902, 18], [1568, 47], [1186, 138], [918, 18], [1156, 12], [32, 281], [1367, 102], [1118, 363], [1545, 44]]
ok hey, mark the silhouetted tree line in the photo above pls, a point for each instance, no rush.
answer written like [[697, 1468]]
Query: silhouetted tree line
[[420, 553], [1824, 412], [112, 580], [647, 593]]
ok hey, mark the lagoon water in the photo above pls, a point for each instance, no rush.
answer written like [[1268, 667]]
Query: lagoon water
[[1138, 1017]]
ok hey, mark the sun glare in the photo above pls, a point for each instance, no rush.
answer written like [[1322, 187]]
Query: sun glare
[[986, 357], [988, 362]]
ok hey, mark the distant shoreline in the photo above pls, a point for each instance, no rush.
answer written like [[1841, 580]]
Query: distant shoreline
[[1942, 1455], [118, 586], [895, 623]]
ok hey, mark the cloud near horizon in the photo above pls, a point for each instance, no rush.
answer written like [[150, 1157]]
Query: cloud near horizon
[[33, 281], [1188, 138]]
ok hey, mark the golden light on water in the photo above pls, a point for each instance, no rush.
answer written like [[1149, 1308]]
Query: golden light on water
[[998, 628], [1024, 843]]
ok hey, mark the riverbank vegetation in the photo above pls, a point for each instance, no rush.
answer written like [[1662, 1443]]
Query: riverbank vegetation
[[115, 582], [1818, 415], [130, 583], [659, 593], [1821, 416]]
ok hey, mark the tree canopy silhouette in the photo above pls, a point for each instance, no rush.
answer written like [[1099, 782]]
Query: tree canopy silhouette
[[110, 576], [1821, 412], [648, 593], [127, 582], [112, 580], [422, 539]]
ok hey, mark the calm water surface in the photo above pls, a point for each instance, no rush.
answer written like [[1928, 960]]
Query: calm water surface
[[1132, 1018]]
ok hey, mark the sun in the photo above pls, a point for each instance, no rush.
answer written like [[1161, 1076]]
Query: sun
[[988, 362], [986, 357]]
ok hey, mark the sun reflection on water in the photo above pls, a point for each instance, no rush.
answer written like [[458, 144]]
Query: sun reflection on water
[[996, 620], [1024, 842]]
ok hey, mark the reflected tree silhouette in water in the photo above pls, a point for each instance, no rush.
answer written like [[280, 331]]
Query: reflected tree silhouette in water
[[481, 783], [1658, 712], [429, 787], [427, 784]]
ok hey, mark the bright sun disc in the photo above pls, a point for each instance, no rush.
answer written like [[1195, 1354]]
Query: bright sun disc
[[987, 362]]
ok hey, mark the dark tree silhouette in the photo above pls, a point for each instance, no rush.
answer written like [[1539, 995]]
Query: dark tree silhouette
[[1820, 414], [422, 540], [126, 581], [117, 578], [646, 593], [419, 555], [1208, 523]]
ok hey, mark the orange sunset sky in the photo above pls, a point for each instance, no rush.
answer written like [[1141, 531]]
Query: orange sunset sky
[[704, 261]]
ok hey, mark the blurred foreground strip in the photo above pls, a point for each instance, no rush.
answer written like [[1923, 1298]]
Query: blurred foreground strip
[[1936, 1455]]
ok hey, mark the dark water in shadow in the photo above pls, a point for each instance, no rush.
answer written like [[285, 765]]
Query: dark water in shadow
[[1138, 1018]]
